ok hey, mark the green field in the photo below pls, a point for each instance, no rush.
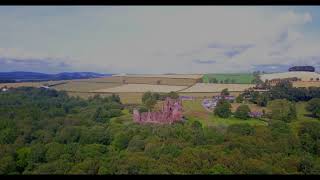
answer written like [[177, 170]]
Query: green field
[[238, 78]]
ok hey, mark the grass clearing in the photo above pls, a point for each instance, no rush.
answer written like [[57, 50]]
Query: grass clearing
[[194, 111], [302, 116]]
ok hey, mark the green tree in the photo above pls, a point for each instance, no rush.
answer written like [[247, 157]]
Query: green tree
[[219, 169], [23, 155], [88, 166], [314, 107], [142, 109], [7, 165], [225, 92], [150, 103], [197, 133], [173, 95], [121, 141], [146, 96], [239, 99], [223, 109], [241, 129], [282, 109], [136, 144], [242, 112], [98, 115]]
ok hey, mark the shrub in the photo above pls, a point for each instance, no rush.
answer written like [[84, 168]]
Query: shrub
[[282, 109], [314, 107], [223, 109], [242, 112]]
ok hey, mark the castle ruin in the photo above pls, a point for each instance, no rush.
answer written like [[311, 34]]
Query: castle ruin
[[171, 112]]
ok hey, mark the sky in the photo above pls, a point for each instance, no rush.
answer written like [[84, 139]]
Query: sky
[[158, 39]]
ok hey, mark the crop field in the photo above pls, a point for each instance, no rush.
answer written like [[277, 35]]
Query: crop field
[[141, 88], [237, 78], [79, 86], [208, 87]]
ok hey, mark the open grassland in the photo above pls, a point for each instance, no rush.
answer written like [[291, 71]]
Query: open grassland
[[194, 111], [253, 107], [79, 86], [141, 88], [209, 87], [238, 78]]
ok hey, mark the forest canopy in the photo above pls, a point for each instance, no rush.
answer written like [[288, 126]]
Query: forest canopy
[[44, 131]]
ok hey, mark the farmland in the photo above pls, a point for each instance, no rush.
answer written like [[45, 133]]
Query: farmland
[[209, 87], [304, 76], [22, 84], [236, 78], [306, 84], [80, 86], [141, 88]]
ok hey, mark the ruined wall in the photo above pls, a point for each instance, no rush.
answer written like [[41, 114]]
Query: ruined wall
[[171, 112]]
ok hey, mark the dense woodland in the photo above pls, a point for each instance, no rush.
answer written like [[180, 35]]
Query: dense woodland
[[47, 132]]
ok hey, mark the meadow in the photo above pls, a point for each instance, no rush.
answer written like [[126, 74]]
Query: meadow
[[238, 78]]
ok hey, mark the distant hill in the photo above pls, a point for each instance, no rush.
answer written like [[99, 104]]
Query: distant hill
[[20, 76]]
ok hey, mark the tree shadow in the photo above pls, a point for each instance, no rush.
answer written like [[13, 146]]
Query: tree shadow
[[309, 115]]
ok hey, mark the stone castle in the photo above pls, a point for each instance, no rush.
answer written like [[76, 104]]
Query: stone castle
[[171, 112]]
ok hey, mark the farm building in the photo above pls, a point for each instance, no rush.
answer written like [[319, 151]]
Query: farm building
[[299, 75], [4, 89]]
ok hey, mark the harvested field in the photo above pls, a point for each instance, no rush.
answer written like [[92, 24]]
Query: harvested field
[[160, 81], [304, 76], [202, 95], [141, 88], [206, 87], [174, 76], [110, 79], [306, 84], [81, 86], [22, 84]]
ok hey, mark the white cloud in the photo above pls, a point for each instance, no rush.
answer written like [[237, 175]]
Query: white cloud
[[170, 39]]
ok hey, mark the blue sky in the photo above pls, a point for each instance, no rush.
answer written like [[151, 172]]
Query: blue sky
[[163, 39]]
